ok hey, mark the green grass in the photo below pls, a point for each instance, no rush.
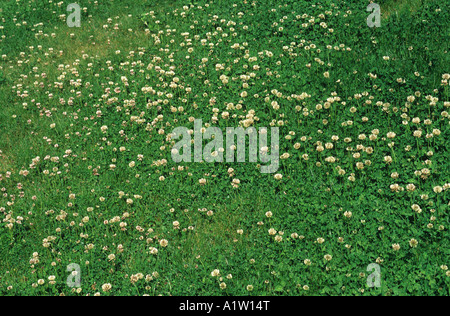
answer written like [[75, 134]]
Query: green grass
[[364, 87], [400, 6]]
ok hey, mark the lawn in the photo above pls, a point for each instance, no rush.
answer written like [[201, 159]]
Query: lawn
[[357, 203]]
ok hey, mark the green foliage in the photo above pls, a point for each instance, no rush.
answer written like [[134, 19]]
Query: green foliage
[[97, 105]]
